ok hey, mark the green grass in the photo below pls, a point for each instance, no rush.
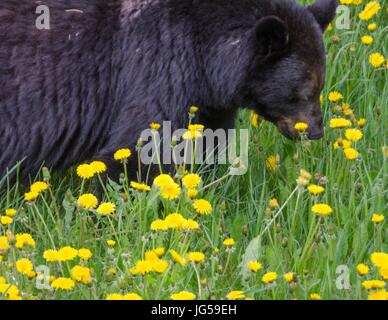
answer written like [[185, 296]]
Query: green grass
[[291, 239]]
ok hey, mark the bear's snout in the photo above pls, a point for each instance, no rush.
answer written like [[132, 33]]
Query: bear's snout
[[314, 131]]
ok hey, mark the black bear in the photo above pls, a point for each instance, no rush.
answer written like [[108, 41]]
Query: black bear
[[103, 70]]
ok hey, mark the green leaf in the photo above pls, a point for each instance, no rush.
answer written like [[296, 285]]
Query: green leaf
[[252, 253]]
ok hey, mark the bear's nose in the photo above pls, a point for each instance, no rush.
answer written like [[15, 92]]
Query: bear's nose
[[316, 132], [315, 135], [316, 129]]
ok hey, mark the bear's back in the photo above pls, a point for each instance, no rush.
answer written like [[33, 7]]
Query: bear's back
[[50, 79]]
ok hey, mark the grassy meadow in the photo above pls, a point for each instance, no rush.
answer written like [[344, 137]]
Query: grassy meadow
[[305, 222]]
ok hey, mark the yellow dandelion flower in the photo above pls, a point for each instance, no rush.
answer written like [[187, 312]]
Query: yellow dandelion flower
[[362, 269], [196, 257], [176, 257], [132, 296], [159, 266], [383, 271], [235, 295], [84, 254], [4, 243], [31, 196], [350, 153], [346, 144], [315, 190], [142, 267], [302, 181], [10, 212], [379, 259], [370, 10], [191, 180], [122, 154], [334, 96], [150, 255], [87, 201], [373, 284], [159, 252], [367, 40], [272, 162], [376, 59], [289, 277], [63, 283], [51, 255], [346, 110], [140, 186], [315, 296], [85, 171], [155, 126], [192, 135], [301, 126], [67, 253], [329, 27], [372, 26], [39, 186], [14, 297], [115, 297], [378, 295], [321, 209], [163, 180], [339, 123], [199, 127], [202, 206], [6, 220], [273, 203], [361, 122], [269, 277], [8, 290], [229, 242], [192, 193], [183, 295], [171, 191], [353, 134], [111, 243], [174, 220], [98, 166], [159, 225], [24, 266], [128, 296], [193, 109], [24, 239], [106, 208], [81, 274], [254, 266], [377, 218], [190, 224], [255, 120]]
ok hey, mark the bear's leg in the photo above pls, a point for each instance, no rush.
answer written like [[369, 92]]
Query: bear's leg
[[125, 134], [215, 147], [224, 119]]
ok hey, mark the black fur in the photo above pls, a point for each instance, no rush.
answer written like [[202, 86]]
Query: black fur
[[103, 72]]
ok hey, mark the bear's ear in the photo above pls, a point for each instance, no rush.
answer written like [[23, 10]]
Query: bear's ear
[[324, 12], [272, 35]]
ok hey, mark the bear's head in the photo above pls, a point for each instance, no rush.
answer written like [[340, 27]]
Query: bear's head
[[287, 76]]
